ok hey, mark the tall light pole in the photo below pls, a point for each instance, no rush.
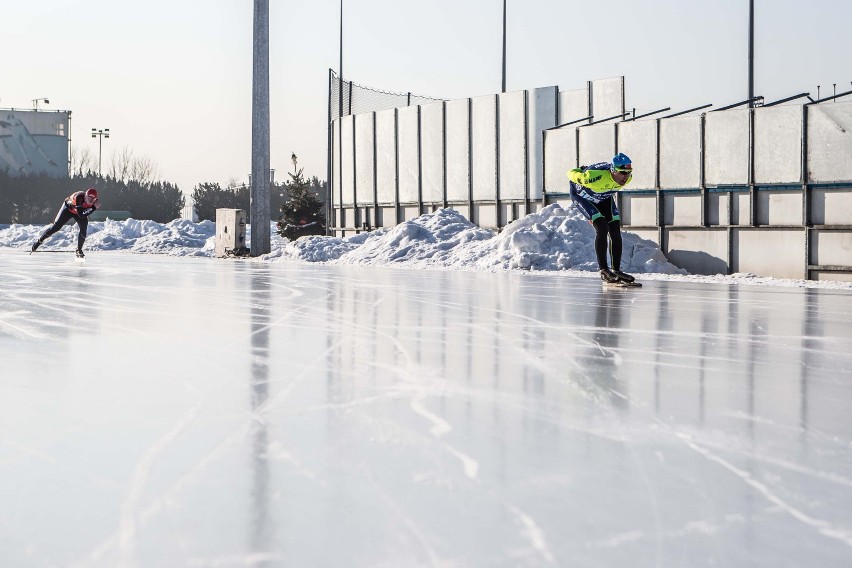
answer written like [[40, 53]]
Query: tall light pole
[[100, 135], [750, 53], [340, 68], [260, 233], [504, 46], [43, 99]]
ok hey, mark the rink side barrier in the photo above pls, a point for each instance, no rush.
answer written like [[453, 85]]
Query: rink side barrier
[[761, 190]]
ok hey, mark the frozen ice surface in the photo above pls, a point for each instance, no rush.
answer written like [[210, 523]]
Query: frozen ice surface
[[161, 411]]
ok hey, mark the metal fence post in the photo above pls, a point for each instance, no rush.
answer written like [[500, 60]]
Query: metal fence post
[[419, 161], [396, 165], [375, 178], [356, 209], [470, 160], [329, 163], [444, 151], [806, 193], [753, 216], [526, 152], [702, 174], [497, 204]]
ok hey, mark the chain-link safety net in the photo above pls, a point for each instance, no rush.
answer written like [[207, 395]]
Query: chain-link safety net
[[357, 99]]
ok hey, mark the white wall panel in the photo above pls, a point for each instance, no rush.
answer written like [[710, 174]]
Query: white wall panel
[[639, 210], [573, 105], [831, 206], [347, 151], [597, 144], [512, 148], [560, 155], [717, 208], [726, 150], [409, 174], [831, 248], [830, 142], [638, 139], [778, 144], [779, 207], [769, 253], [432, 151], [541, 114], [682, 209], [386, 156], [607, 97], [680, 152], [698, 251], [484, 144], [740, 208], [364, 165], [458, 139]]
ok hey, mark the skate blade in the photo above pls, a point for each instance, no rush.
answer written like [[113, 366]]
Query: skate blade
[[622, 284]]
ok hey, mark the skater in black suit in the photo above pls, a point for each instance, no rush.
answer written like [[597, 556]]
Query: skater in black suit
[[77, 206]]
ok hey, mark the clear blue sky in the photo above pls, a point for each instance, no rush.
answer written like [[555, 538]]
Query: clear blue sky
[[172, 80]]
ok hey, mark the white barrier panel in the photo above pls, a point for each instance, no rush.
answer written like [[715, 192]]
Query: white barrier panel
[[682, 210], [768, 253], [597, 144], [347, 152], [830, 142], [680, 152], [778, 144], [484, 146], [779, 207], [512, 149], [699, 251], [831, 206], [386, 156], [831, 247], [638, 139], [726, 151], [639, 210], [409, 167], [607, 97], [364, 165], [458, 158], [541, 114], [432, 151], [560, 155], [717, 208], [573, 105]]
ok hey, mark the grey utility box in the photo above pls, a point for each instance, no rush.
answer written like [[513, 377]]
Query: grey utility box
[[230, 233]]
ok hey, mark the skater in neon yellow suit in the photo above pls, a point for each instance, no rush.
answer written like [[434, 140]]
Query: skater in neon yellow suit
[[593, 190]]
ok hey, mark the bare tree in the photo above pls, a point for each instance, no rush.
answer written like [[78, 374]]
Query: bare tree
[[144, 170], [83, 161], [126, 166]]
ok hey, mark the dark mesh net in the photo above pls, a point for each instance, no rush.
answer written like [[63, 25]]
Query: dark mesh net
[[357, 99]]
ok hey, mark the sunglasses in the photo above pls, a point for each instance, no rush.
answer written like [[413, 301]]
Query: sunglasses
[[624, 170]]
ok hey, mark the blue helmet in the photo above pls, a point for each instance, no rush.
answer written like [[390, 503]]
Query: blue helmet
[[621, 163]]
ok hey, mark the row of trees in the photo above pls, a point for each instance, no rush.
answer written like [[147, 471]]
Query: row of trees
[[36, 199], [131, 185], [209, 196], [300, 203]]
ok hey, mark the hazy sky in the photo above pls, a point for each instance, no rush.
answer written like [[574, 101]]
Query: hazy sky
[[172, 79]]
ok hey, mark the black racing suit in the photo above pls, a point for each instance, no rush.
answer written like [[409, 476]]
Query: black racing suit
[[74, 207]]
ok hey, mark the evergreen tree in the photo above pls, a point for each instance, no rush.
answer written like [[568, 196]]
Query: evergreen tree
[[302, 212]]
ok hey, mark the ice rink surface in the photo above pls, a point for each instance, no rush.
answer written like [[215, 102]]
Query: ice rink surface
[[159, 411]]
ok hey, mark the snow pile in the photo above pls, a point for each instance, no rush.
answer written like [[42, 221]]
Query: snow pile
[[550, 240], [554, 239]]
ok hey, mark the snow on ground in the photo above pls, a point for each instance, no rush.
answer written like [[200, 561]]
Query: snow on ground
[[554, 239]]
